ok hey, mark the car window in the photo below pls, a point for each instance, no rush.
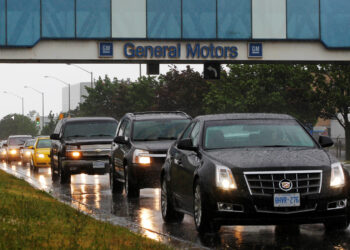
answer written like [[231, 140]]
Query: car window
[[58, 127], [160, 129], [29, 143], [188, 130], [90, 129], [127, 130], [195, 134], [16, 141], [256, 133], [43, 143], [122, 128]]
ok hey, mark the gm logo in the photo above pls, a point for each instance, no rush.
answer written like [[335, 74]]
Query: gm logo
[[105, 49], [255, 50]]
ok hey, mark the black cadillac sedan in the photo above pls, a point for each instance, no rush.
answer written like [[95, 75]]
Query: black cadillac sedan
[[252, 169]]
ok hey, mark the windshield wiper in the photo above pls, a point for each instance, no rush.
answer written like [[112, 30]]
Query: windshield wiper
[[100, 135], [276, 146], [166, 138], [75, 136], [145, 139]]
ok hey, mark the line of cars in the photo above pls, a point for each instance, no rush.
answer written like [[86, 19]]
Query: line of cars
[[228, 169], [25, 149]]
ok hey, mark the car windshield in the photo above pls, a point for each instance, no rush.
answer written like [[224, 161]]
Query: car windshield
[[29, 143], [255, 133], [90, 129], [43, 143], [16, 141], [156, 130]]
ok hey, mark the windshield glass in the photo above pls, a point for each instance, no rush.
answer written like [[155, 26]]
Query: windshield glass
[[29, 143], [43, 143], [16, 141], [90, 129], [158, 129], [255, 133]]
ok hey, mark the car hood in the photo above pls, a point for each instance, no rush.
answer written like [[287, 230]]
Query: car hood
[[154, 146], [89, 141], [271, 159]]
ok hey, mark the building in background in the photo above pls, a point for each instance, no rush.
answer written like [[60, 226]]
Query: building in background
[[77, 93]]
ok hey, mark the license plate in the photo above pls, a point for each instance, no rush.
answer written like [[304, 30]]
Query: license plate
[[98, 164], [286, 200]]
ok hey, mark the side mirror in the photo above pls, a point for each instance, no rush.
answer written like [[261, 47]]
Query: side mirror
[[121, 140], [186, 144], [4, 145], [54, 136], [325, 141]]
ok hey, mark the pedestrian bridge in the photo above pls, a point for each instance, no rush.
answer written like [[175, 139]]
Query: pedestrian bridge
[[71, 30]]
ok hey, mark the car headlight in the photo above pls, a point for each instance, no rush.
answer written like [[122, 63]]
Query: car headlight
[[13, 151], [40, 155], [224, 178], [74, 154], [28, 153], [141, 157], [4, 152], [337, 175]]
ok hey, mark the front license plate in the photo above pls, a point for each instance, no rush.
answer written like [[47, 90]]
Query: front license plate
[[286, 200], [98, 164]]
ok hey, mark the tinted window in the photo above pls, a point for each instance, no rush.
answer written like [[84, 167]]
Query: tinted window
[[188, 130], [15, 141], [43, 143], [90, 129], [158, 129], [195, 135], [29, 143], [122, 128], [255, 133]]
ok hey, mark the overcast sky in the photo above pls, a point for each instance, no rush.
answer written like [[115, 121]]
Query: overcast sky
[[15, 76]]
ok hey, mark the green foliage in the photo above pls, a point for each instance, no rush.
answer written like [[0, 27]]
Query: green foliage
[[270, 88], [50, 127], [15, 124], [31, 219], [332, 86]]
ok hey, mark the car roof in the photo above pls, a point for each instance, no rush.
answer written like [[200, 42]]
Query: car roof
[[245, 116], [83, 119], [16, 136], [149, 115]]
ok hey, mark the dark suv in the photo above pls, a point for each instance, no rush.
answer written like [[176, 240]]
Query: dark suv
[[139, 149], [81, 145]]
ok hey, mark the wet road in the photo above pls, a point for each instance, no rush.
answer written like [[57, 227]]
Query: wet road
[[92, 195]]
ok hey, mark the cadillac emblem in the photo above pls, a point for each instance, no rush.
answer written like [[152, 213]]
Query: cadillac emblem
[[286, 185]]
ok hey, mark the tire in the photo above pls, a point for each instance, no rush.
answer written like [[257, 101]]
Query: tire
[[33, 167], [202, 217], [131, 190], [54, 176], [116, 186], [64, 176], [169, 214], [337, 225]]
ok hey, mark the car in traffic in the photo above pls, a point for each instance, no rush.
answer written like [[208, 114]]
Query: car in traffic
[[81, 145], [14, 144], [251, 169], [40, 156], [139, 149], [27, 151], [3, 150]]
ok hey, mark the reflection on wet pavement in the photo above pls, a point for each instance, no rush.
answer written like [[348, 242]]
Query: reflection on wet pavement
[[91, 194]]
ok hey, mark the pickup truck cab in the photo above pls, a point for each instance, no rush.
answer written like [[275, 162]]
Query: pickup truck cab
[[81, 145]]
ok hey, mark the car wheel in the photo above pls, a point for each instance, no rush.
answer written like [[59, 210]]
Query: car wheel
[[202, 217], [33, 167], [116, 186], [131, 190], [337, 225], [64, 176], [169, 214], [54, 176]]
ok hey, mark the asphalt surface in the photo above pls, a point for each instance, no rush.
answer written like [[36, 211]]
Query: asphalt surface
[[92, 195]]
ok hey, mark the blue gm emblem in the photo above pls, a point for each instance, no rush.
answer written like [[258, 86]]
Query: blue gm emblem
[[105, 49], [255, 50], [286, 185]]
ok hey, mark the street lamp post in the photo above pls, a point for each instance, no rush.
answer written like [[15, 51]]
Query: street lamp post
[[20, 97], [90, 72], [68, 84], [42, 104]]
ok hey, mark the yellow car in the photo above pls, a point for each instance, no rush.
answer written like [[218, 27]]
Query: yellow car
[[41, 152]]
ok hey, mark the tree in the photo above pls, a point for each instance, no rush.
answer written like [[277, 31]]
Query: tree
[[15, 124], [332, 85], [50, 127], [270, 88]]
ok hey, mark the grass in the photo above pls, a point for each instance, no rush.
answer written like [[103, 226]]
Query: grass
[[31, 219]]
